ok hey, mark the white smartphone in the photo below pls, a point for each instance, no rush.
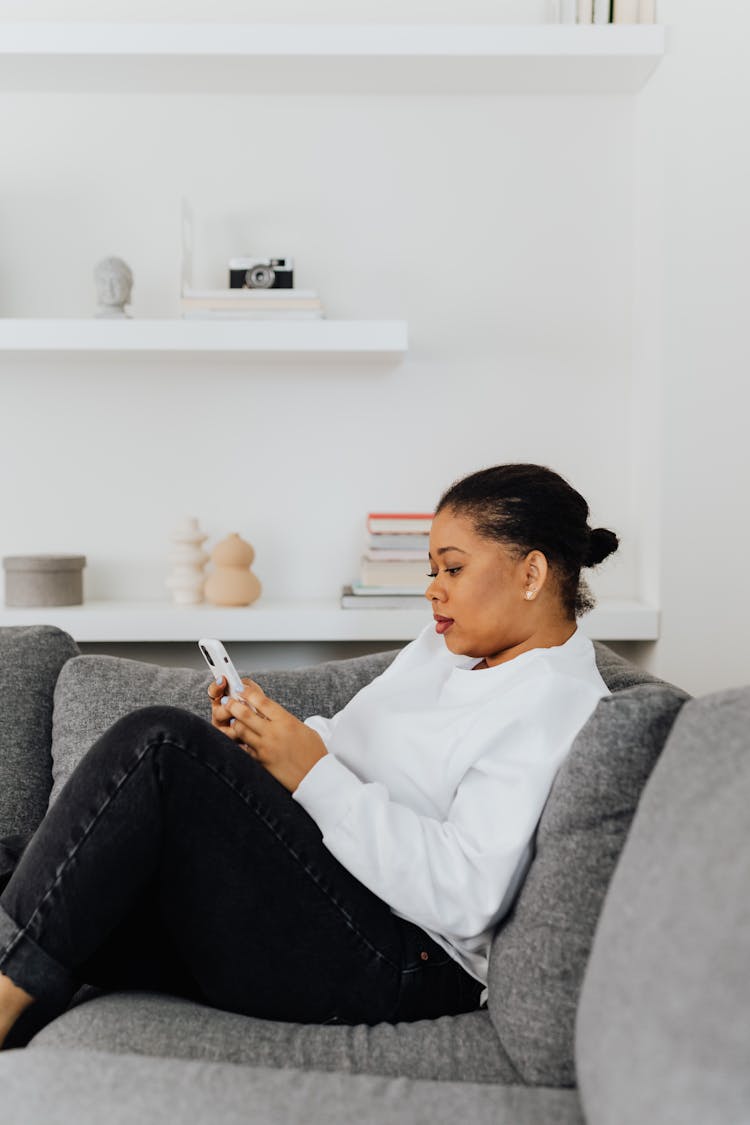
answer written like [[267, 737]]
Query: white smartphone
[[218, 661]]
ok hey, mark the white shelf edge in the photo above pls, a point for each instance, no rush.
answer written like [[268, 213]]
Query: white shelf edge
[[325, 58], [304, 336], [206, 39], [322, 620]]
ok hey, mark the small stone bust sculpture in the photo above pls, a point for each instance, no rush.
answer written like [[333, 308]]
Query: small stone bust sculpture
[[114, 283]]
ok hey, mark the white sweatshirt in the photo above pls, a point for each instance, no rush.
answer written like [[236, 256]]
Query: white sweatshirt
[[436, 776]]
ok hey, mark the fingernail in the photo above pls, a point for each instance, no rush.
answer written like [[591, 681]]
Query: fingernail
[[224, 700]]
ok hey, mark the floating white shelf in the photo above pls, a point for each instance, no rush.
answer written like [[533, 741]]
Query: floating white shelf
[[328, 58], [303, 336], [324, 620]]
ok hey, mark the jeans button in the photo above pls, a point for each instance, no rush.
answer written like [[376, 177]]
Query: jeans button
[[424, 955]]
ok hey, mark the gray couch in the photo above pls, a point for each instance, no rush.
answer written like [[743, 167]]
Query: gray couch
[[618, 988]]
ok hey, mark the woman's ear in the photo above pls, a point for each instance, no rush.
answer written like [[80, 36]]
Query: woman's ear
[[535, 574]]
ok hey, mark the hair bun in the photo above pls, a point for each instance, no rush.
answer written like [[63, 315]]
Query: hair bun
[[602, 543]]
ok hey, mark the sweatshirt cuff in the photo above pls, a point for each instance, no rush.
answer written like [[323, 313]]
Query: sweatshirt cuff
[[327, 792]]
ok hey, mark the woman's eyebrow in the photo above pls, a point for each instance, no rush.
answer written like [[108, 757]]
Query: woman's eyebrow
[[444, 550]]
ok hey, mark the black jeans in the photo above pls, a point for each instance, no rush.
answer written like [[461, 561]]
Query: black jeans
[[173, 861]]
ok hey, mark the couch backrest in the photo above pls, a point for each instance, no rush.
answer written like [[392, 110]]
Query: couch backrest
[[619, 673], [30, 662], [95, 691], [663, 1030], [541, 948]]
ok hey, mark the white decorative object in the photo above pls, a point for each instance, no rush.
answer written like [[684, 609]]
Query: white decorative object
[[114, 284], [186, 578]]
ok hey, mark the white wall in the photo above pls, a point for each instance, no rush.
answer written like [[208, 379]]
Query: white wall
[[479, 220], [705, 590], [545, 350]]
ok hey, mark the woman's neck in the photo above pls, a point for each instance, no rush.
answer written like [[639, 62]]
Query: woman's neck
[[551, 637]]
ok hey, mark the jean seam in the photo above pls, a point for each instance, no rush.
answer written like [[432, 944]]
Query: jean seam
[[161, 740], [23, 931], [257, 810]]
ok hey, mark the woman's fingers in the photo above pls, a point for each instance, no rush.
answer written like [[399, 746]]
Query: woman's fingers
[[246, 718], [216, 690], [257, 699], [220, 716]]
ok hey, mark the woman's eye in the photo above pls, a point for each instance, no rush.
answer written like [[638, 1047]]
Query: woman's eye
[[431, 575], [448, 570]]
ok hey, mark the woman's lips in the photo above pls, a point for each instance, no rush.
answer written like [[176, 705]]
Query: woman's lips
[[442, 624]]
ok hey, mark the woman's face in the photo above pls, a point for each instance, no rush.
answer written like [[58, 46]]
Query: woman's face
[[478, 590]]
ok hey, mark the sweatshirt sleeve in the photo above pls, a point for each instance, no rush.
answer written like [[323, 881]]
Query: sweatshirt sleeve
[[451, 875]]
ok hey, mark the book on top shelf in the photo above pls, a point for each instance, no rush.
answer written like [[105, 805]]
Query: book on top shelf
[[251, 304], [252, 314], [625, 11], [259, 296], [397, 523]]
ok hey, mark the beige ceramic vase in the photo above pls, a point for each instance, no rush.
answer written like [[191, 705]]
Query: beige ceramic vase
[[232, 582]]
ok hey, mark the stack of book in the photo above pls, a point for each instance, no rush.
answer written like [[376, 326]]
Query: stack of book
[[251, 304], [393, 571]]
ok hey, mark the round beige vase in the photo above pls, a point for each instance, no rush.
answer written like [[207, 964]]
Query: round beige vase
[[232, 582]]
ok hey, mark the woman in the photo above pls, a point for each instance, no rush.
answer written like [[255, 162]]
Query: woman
[[339, 870]]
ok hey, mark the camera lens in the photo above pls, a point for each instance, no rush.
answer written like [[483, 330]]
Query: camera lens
[[260, 277], [207, 656]]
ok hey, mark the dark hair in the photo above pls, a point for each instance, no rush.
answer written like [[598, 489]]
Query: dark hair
[[529, 507]]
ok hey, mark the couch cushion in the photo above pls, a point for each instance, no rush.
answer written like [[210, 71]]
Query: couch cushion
[[47, 1087], [619, 673], [94, 691], [30, 662], [663, 1029], [453, 1048], [539, 953]]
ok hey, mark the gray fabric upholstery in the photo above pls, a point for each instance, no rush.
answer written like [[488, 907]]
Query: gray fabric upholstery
[[48, 1087], [663, 1030], [453, 1048], [94, 691], [30, 660], [539, 954], [619, 673]]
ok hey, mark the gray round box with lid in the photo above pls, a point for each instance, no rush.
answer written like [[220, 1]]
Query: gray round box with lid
[[41, 580]]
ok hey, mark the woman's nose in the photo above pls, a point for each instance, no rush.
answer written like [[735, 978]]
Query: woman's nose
[[432, 592]]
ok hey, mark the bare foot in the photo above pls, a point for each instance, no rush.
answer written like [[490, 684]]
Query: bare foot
[[13, 1001]]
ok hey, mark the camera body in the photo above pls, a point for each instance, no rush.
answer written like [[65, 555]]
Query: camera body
[[261, 273]]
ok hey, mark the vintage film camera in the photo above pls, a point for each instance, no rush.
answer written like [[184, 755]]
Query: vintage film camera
[[261, 273]]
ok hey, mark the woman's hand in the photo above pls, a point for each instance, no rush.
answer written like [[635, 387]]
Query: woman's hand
[[220, 717], [281, 743]]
